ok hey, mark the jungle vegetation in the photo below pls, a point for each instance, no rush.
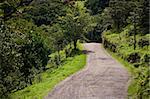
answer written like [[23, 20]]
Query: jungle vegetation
[[36, 34]]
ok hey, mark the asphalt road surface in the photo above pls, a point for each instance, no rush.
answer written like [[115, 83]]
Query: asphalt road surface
[[102, 78]]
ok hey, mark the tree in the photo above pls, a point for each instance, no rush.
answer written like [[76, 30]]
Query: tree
[[23, 55], [76, 23], [134, 19], [118, 13], [45, 12], [144, 22], [9, 7], [96, 6], [58, 40], [104, 22]]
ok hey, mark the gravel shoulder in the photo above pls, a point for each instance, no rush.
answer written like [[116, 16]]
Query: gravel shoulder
[[102, 78]]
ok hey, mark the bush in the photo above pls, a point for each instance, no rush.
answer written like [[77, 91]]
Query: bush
[[143, 42], [133, 57], [138, 58], [109, 45], [22, 56], [142, 81], [146, 58]]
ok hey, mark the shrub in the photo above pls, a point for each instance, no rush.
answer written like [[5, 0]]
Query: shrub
[[143, 42], [133, 57], [22, 56], [142, 81], [146, 58], [109, 45]]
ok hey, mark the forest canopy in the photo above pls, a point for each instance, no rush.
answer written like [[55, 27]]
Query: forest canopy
[[31, 30]]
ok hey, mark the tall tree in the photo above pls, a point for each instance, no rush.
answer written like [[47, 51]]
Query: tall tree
[[145, 16], [118, 13], [77, 23], [58, 40], [96, 6], [45, 12], [11, 7], [135, 19], [23, 55]]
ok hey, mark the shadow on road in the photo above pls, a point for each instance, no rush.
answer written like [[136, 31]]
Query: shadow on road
[[87, 52]]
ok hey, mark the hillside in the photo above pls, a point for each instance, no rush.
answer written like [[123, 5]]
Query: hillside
[[41, 38]]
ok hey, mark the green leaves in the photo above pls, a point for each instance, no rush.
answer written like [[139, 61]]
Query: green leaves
[[13, 8], [96, 6], [46, 12], [77, 22], [24, 47], [23, 55]]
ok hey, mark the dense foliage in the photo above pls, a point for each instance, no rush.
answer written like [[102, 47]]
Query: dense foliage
[[125, 25], [22, 56], [96, 6], [45, 12], [30, 30]]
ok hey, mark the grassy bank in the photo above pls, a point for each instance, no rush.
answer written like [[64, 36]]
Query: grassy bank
[[135, 83], [128, 66], [120, 46], [132, 71], [52, 77]]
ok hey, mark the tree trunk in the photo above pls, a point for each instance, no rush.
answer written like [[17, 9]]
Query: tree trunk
[[58, 57], [67, 52], [30, 81], [75, 44], [134, 37], [70, 46]]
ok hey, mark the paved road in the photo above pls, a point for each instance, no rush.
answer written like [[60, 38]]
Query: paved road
[[102, 78]]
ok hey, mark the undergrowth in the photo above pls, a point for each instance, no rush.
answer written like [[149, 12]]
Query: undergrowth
[[45, 82], [120, 45]]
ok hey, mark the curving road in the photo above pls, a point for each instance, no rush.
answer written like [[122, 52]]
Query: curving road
[[102, 78]]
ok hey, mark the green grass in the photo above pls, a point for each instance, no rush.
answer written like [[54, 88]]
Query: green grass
[[133, 87], [51, 77], [138, 86], [128, 66]]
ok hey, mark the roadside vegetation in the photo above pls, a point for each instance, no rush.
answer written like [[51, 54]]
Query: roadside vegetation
[[130, 43], [123, 28], [39, 39], [45, 82], [136, 61]]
